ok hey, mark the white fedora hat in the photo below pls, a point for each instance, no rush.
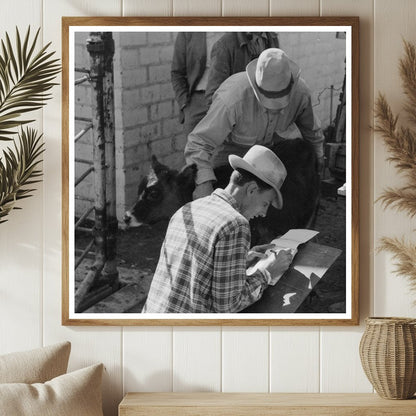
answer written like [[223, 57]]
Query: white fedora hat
[[272, 76], [265, 165]]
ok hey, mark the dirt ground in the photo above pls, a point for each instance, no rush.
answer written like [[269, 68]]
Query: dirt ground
[[138, 252]]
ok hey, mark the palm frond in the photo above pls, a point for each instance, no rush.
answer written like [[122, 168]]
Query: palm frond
[[25, 79], [18, 169]]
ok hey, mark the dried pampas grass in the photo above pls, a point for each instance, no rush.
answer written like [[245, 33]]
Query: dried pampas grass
[[401, 143]]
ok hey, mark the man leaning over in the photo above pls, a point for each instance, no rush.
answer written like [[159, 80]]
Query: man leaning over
[[266, 103], [203, 259]]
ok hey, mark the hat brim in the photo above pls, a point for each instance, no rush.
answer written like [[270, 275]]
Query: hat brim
[[271, 103], [238, 162]]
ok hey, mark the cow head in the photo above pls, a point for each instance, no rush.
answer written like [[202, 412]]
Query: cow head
[[160, 194]]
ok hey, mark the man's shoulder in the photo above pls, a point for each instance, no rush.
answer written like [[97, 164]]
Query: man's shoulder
[[219, 207], [235, 89], [302, 87], [227, 40]]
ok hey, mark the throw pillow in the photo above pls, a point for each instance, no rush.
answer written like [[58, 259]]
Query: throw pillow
[[73, 394], [35, 366]]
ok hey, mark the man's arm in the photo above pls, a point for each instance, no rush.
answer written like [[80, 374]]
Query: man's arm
[[207, 136], [220, 68], [232, 289], [178, 71], [310, 127]]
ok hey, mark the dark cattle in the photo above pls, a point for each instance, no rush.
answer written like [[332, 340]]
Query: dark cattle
[[165, 190]]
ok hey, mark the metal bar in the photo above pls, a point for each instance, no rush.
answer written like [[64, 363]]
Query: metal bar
[[84, 198], [86, 119], [84, 175], [84, 253], [82, 132], [85, 229], [94, 297], [82, 80], [87, 162], [84, 287], [83, 217], [330, 104]]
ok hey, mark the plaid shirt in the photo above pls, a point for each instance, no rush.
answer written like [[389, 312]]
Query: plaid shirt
[[202, 264]]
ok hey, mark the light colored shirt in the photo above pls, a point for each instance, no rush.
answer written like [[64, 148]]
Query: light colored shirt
[[236, 121], [203, 260]]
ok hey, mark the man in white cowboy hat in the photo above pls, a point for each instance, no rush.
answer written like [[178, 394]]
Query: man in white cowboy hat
[[203, 259], [267, 102]]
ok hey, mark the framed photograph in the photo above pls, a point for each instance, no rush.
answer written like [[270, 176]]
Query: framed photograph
[[210, 171]]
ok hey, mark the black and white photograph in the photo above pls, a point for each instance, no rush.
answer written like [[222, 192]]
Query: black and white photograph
[[211, 173]]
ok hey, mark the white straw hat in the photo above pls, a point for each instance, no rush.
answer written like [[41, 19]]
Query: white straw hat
[[265, 165], [272, 76]]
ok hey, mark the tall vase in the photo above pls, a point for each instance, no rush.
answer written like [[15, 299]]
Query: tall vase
[[388, 356]]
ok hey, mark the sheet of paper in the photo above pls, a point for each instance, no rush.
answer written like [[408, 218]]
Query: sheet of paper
[[294, 237], [288, 242]]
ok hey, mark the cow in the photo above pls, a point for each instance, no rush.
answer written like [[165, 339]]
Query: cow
[[163, 191]]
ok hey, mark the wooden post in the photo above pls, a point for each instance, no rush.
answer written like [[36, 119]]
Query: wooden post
[[95, 47], [110, 272]]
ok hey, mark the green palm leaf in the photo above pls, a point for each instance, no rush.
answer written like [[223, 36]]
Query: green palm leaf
[[19, 169], [25, 79]]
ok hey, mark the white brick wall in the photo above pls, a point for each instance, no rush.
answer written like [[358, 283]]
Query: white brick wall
[[147, 113]]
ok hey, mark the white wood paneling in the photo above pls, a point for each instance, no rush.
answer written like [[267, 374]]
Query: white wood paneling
[[89, 344], [147, 8], [147, 359], [294, 360], [363, 9], [204, 7], [341, 370], [348, 375], [196, 359], [245, 359], [393, 21], [294, 8], [21, 237], [245, 8]]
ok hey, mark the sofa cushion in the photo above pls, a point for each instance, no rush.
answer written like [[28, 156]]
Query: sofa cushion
[[35, 366], [73, 394]]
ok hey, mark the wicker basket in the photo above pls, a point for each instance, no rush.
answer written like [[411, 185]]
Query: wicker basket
[[388, 356]]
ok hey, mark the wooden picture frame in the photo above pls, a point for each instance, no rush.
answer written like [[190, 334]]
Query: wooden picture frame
[[119, 105]]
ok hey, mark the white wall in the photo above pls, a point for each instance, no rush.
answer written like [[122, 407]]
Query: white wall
[[308, 359]]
